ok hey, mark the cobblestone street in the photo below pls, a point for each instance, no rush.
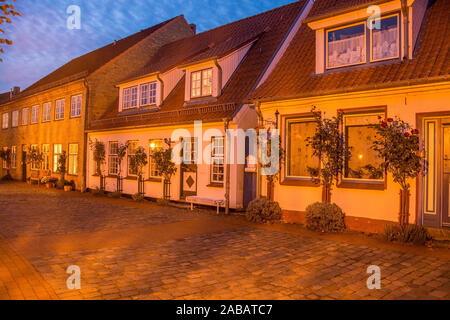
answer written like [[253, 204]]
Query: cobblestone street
[[143, 251]]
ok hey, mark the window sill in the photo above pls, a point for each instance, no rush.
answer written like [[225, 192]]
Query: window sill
[[72, 175], [215, 185], [299, 182], [151, 179], [111, 176], [75, 117], [379, 185]]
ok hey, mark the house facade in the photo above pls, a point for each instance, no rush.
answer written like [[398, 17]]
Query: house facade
[[51, 115], [190, 96], [345, 60]]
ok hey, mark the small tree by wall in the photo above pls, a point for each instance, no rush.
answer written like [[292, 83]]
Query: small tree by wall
[[121, 153], [329, 147], [165, 167], [137, 163], [62, 168], [266, 156], [5, 155], [398, 144], [99, 156]]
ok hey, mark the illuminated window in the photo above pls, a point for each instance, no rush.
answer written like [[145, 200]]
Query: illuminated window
[[154, 145], [73, 159], [35, 114], [75, 106], [46, 111], [5, 120], [15, 119], [24, 116], [148, 94], [385, 40], [190, 147], [299, 158], [346, 46], [59, 109], [217, 160], [13, 157], [57, 151], [113, 161], [359, 134], [45, 156], [35, 165], [132, 147], [201, 83], [130, 97], [5, 163]]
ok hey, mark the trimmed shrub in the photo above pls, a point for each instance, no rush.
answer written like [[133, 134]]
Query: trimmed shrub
[[263, 210], [325, 217], [137, 197], [115, 195], [411, 233]]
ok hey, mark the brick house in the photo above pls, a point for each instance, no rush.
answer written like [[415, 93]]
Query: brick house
[[204, 78], [52, 114], [338, 64]]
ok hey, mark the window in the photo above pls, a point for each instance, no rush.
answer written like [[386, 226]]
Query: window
[[154, 145], [35, 114], [5, 120], [148, 93], [113, 161], [73, 159], [346, 46], [34, 165], [132, 147], [299, 159], [15, 119], [5, 163], [46, 111], [13, 157], [385, 40], [217, 160], [75, 106], [57, 151], [130, 97], [45, 156], [134, 97], [59, 109], [359, 133], [24, 116], [201, 83], [190, 146]]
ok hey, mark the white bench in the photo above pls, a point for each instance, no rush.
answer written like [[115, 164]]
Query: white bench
[[205, 201]]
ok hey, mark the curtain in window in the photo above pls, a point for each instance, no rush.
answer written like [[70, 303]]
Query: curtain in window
[[346, 46]]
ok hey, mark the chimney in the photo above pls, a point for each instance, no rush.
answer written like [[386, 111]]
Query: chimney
[[193, 28], [16, 90]]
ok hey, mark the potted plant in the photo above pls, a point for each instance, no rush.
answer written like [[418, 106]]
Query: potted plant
[[121, 153], [137, 163], [165, 167], [5, 155], [69, 185], [329, 147], [49, 182], [61, 169], [99, 155], [398, 145]]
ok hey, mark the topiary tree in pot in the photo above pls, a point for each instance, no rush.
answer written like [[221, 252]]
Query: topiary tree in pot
[[329, 146], [121, 153], [165, 167], [399, 145], [61, 169], [5, 155], [99, 156], [137, 163]]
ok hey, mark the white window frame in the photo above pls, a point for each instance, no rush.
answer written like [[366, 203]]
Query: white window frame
[[190, 150], [75, 106], [153, 146], [113, 158], [34, 114], [217, 159], [127, 99], [45, 156], [5, 120], [345, 27], [60, 106], [72, 165], [202, 86], [131, 143], [33, 165], [151, 98], [398, 38], [46, 112], [57, 151], [25, 113], [15, 119]]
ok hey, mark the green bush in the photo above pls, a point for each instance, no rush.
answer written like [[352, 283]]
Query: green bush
[[262, 210], [137, 197], [115, 195], [325, 217], [411, 233], [97, 192]]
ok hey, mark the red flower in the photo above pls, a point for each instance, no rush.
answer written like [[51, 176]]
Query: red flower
[[379, 117], [384, 124], [406, 134], [390, 119]]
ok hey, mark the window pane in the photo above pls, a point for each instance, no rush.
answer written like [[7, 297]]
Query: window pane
[[154, 145], [207, 83], [346, 46], [196, 84], [364, 162], [134, 96], [25, 116], [300, 156], [385, 39], [144, 94]]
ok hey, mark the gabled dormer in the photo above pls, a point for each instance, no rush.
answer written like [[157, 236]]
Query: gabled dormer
[[366, 35], [143, 93]]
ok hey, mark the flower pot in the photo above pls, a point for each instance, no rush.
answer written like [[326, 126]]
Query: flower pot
[[404, 207], [67, 188], [50, 185]]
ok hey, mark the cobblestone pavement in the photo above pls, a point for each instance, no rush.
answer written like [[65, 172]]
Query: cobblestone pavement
[[241, 263]]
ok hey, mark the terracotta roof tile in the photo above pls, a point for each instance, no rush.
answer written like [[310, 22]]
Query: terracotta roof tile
[[295, 75]]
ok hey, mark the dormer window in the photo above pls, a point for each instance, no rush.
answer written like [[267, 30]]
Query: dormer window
[[130, 97], [201, 83], [358, 44], [148, 93]]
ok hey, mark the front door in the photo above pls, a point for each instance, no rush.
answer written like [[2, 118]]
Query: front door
[[445, 215], [189, 168]]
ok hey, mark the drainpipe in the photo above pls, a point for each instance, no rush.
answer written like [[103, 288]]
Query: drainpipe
[[226, 123], [258, 167], [219, 76], [85, 169], [405, 28], [161, 98]]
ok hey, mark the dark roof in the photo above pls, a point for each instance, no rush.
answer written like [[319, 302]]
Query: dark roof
[[268, 29], [90, 62], [322, 9], [4, 97], [295, 75]]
